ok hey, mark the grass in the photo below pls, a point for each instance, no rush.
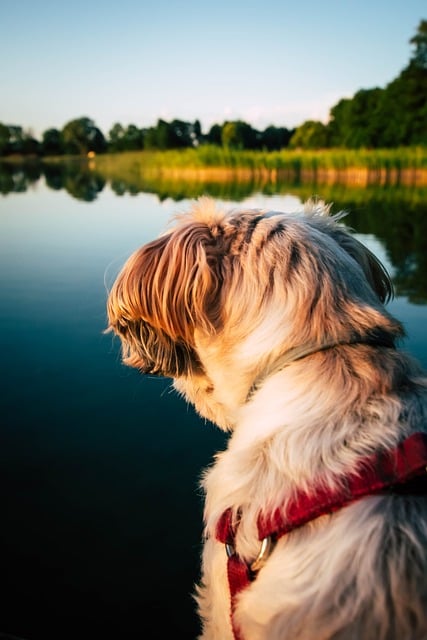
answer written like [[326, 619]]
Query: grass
[[395, 166]]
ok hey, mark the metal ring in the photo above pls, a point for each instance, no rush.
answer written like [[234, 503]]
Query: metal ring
[[266, 548], [264, 552]]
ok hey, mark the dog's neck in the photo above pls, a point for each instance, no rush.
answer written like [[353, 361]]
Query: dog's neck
[[376, 338], [296, 398]]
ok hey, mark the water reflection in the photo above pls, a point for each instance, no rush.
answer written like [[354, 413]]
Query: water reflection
[[99, 466], [394, 215], [80, 183]]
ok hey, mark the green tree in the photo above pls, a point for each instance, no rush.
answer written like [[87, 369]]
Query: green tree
[[30, 146], [4, 139], [181, 134], [81, 136], [52, 143], [13, 139], [389, 117], [214, 135], [115, 137], [16, 139], [129, 139], [171, 135], [164, 138], [197, 135], [312, 134], [275, 138], [239, 135], [133, 138], [401, 116], [160, 137], [354, 122], [404, 111], [419, 41]]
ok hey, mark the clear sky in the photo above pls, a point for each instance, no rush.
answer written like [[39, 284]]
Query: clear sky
[[133, 61]]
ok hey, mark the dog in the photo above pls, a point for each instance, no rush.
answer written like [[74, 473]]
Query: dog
[[274, 327]]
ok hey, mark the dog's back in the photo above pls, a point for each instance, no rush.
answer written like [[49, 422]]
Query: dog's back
[[274, 327]]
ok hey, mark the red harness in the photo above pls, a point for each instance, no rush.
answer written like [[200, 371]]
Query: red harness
[[399, 470]]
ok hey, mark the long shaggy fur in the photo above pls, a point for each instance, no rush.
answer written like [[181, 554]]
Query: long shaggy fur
[[273, 325]]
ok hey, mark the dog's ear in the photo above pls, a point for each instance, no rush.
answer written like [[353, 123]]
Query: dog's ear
[[171, 283], [373, 269]]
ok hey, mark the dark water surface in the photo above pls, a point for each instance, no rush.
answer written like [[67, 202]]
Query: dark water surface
[[101, 512]]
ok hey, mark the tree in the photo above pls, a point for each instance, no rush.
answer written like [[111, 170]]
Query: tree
[[389, 117], [172, 135], [354, 122], [133, 138], [81, 136], [403, 111], [239, 135], [52, 143], [16, 139], [30, 146], [275, 138], [164, 137], [129, 139], [116, 135], [160, 137], [401, 117], [197, 135], [214, 135], [312, 134], [13, 139], [181, 134], [4, 139], [419, 41]]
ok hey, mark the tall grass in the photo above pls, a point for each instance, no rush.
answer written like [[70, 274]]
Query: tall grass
[[214, 156], [402, 165]]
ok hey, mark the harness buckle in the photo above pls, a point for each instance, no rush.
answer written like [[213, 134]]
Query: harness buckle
[[264, 552]]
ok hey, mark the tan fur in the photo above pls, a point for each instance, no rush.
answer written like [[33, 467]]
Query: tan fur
[[224, 303]]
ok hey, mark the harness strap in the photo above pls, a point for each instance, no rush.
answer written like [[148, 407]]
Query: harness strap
[[399, 470]]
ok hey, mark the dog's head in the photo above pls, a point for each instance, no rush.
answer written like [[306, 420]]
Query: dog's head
[[217, 300]]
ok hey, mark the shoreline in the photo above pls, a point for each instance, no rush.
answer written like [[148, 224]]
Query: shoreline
[[406, 167]]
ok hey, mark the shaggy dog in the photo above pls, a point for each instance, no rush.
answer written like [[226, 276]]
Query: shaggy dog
[[273, 326]]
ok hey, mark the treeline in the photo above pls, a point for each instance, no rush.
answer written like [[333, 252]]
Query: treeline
[[388, 117], [81, 136]]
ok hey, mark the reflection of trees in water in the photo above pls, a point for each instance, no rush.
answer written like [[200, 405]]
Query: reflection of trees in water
[[401, 225], [164, 188], [17, 178], [82, 184], [395, 216]]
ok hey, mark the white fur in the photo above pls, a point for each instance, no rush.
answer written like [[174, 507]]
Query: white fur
[[242, 291]]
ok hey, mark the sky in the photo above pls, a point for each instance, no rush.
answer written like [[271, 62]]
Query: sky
[[277, 62]]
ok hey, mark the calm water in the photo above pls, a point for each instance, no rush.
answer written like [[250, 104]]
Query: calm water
[[101, 512]]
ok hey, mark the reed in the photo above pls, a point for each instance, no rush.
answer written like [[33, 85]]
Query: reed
[[362, 166]]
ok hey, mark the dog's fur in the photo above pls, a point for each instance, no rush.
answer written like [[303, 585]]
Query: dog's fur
[[237, 308]]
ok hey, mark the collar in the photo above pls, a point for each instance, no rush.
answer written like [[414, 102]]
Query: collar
[[375, 337], [402, 469]]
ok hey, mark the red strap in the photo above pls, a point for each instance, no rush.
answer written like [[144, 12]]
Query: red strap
[[238, 579], [239, 574], [385, 470], [374, 474]]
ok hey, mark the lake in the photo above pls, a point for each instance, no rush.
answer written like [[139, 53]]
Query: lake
[[101, 509]]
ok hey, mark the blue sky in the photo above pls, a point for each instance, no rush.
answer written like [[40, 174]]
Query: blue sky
[[271, 62]]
